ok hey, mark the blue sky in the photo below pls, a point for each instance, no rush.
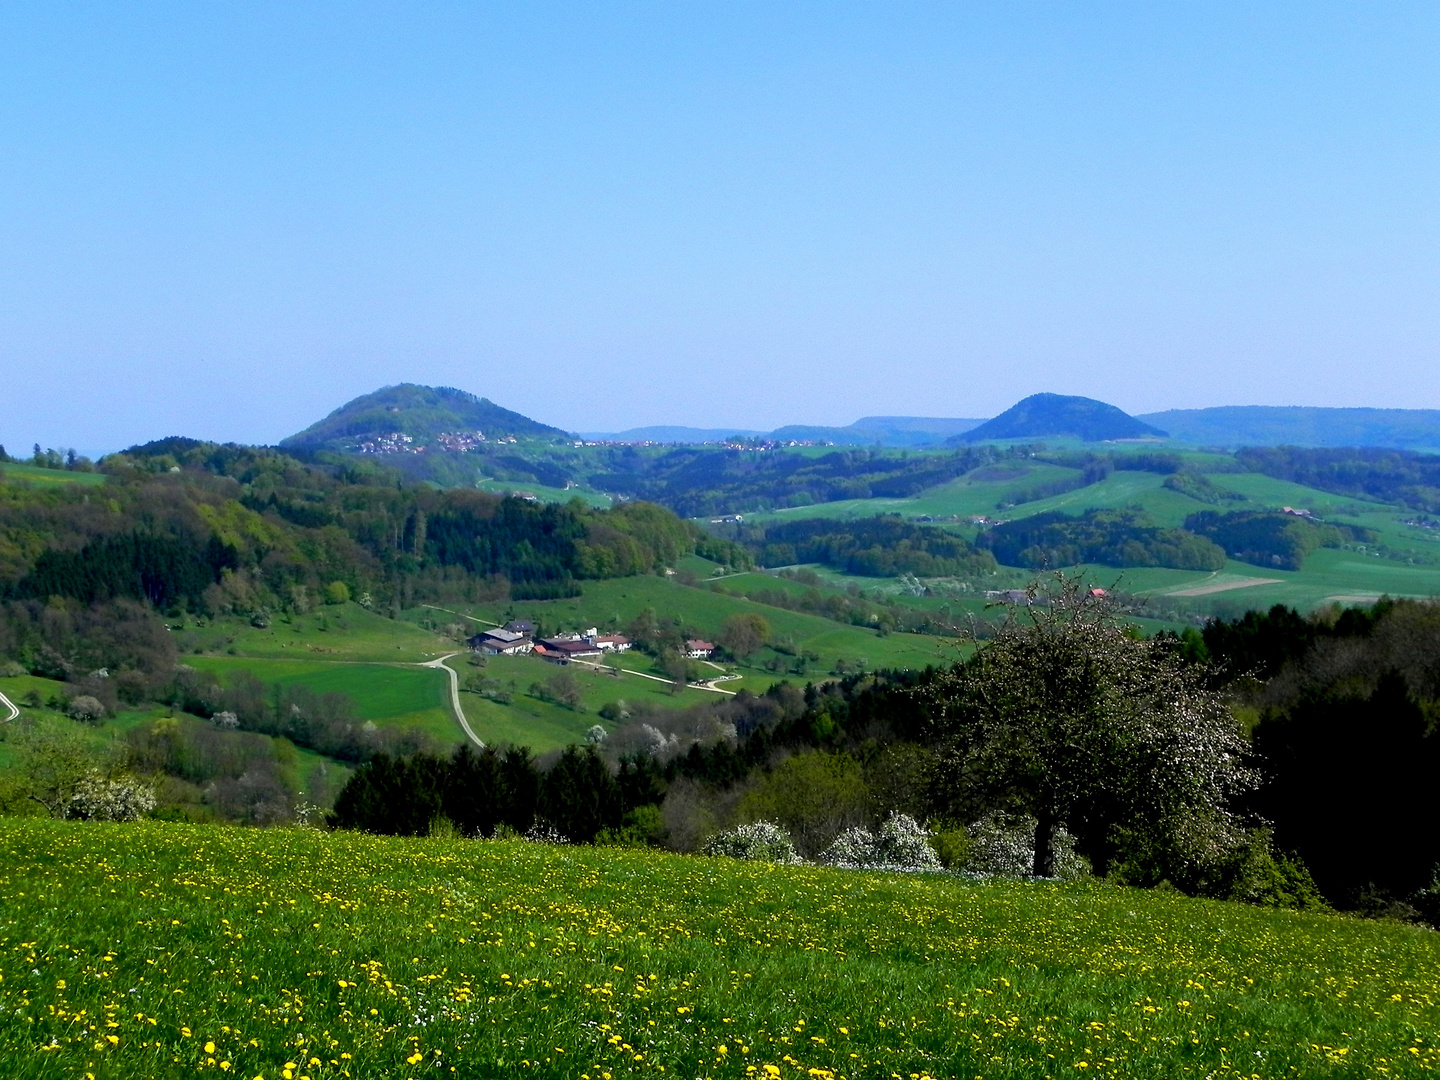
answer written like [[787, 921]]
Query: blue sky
[[225, 220]]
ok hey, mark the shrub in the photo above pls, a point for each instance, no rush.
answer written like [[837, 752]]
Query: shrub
[[901, 843], [86, 709], [1004, 845], [99, 799], [761, 841], [952, 846]]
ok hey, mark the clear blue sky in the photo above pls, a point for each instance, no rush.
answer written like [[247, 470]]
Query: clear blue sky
[[225, 220]]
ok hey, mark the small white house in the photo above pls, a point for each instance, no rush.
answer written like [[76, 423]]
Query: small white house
[[696, 649]]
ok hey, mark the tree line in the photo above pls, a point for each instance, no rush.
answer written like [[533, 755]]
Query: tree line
[[883, 546], [1109, 537]]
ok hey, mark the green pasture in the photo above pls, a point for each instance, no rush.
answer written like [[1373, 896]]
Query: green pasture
[[163, 951], [616, 602], [588, 496], [30, 474], [389, 695], [318, 777], [1408, 563], [543, 725], [333, 632], [1329, 577]]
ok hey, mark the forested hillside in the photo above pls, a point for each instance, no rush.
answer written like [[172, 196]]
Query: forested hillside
[[238, 531], [698, 481], [1266, 538], [1396, 476], [878, 547], [1108, 537]]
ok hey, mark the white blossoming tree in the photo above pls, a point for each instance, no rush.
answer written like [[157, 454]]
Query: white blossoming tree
[[1070, 717]]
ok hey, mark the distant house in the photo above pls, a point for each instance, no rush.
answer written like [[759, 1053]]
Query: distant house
[[613, 643], [569, 649], [696, 649], [521, 626], [500, 643]]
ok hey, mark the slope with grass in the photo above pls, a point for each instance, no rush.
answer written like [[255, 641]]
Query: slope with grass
[[618, 601], [1404, 561], [339, 632], [388, 695], [158, 950]]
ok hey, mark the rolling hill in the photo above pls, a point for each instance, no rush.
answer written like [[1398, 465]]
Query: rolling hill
[[423, 413], [1059, 415]]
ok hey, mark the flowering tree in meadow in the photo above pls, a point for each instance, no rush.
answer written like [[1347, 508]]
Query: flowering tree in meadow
[[1068, 716]]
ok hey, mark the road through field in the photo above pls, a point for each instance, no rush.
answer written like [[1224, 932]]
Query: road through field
[[704, 684], [455, 696], [9, 706]]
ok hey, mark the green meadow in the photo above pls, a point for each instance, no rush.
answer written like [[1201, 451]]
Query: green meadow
[[1404, 562], [338, 632], [161, 950], [618, 601], [388, 695], [546, 494], [31, 474]]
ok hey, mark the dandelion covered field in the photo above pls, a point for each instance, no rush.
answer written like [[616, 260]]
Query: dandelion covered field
[[156, 950]]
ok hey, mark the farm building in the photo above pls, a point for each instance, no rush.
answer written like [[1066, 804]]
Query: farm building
[[563, 650], [500, 643], [696, 649]]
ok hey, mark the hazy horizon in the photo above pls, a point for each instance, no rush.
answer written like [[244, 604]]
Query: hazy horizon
[[227, 223]]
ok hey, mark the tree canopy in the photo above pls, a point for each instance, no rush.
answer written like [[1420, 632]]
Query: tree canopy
[[1066, 715]]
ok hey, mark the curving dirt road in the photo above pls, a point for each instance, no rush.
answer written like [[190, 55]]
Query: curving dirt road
[[455, 696], [9, 706]]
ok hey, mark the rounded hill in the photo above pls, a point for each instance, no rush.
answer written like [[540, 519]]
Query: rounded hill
[[423, 413], [1058, 415]]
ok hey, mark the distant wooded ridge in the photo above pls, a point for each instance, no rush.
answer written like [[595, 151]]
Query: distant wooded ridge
[[1228, 426], [408, 419]]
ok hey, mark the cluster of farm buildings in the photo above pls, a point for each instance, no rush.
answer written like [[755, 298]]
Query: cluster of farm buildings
[[517, 638]]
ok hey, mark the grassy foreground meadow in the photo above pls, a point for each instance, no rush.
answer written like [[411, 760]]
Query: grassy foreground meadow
[[167, 950]]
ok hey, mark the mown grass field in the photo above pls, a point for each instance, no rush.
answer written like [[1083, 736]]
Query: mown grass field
[[163, 951], [30, 474], [339, 632], [390, 695]]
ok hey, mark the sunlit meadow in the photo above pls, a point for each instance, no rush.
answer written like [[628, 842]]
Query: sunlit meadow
[[166, 950]]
